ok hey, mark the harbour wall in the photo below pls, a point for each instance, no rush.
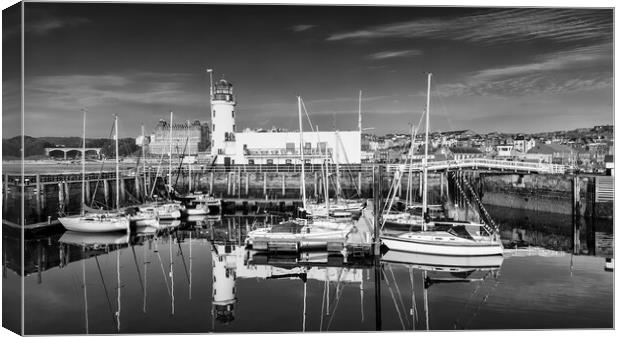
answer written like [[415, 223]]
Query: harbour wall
[[545, 193]]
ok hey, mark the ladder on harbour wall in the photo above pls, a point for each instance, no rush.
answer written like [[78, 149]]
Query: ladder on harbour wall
[[604, 189], [485, 218]]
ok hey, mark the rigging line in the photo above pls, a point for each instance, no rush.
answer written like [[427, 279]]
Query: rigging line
[[92, 201], [484, 299], [467, 303], [442, 105], [135, 260], [161, 159], [387, 281], [105, 289], [182, 256], [181, 162], [161, 263], [400, 296], [337, 300]]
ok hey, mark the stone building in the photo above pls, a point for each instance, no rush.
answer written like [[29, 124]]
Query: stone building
[[192, 138]]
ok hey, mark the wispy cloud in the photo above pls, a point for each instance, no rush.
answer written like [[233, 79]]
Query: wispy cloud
[[88, 90], [393, 54], [495, 26], [46, 25], [561, 72], [302, 28]]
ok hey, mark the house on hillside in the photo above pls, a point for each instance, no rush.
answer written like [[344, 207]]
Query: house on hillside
[[553, 153]]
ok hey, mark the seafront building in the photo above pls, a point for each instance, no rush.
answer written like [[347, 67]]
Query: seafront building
[[251, 147], [185, 138]]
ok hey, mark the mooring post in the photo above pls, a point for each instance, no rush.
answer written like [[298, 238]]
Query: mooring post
[[228, 183], [87, 192], [377, 191], [441, 183], [247, 183], [67, 192], [234, 183], [419, 185], [211, 183], [359, 183], [265, 184], [6, 186], [316, 191], [61, 196], [122, 191], [239, 182], [39, 193], [106, 191], [137, 186], [283, 184]]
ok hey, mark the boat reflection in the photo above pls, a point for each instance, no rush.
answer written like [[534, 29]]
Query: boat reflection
[[434, 270]]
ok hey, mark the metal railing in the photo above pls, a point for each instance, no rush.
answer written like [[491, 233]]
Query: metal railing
[[482, 163]]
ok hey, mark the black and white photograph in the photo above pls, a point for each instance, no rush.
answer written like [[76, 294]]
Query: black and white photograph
[[246, 168]]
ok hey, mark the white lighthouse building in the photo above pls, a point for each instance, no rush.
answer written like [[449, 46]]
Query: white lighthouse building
[[223, 122], [230, 147]]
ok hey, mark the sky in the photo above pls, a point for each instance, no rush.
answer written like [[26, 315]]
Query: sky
[[502, 69]]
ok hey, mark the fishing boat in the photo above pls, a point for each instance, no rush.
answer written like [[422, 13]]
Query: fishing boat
[[103, 221], [451, 238]]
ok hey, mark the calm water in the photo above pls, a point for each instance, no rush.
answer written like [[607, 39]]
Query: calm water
[[199, 278]]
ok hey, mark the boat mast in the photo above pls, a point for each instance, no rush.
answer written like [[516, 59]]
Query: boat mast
[[425, 160], [326, 177], [116, 151], [83, 160], [301, 151], [170, 161], [143, 159], [189, 165], [337, 166]]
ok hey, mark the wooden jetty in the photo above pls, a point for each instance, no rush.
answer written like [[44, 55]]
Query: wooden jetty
[[357, 243]]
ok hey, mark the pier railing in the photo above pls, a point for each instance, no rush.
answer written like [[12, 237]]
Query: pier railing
[[482, 164]]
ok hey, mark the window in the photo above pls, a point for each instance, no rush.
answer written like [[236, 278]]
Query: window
[[213, 127], [233, 114], [233, 128], [213, 113], [269, 161], [250, 161], [289, 161]]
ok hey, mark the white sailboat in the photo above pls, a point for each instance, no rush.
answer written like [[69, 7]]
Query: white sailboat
[[453, 238], [97, 222], [300, 233]]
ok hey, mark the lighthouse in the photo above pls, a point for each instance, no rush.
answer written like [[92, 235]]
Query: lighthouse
[[223, 122]]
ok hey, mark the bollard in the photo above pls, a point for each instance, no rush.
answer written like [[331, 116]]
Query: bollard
[[247, 183], [265, 184], [283, 185]]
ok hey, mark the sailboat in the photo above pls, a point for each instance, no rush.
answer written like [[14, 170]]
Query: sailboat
[[454, 238], [338, 207], [299, 234], [165, 210], [97, 222]]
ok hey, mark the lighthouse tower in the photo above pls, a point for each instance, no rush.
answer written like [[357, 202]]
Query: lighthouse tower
[[223, 122]]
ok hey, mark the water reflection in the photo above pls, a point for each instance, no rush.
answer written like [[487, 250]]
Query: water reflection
[[196, 276]]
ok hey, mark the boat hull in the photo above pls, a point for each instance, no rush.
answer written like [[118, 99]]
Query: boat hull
[[443, 262], [80, 224], [433, 247]]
